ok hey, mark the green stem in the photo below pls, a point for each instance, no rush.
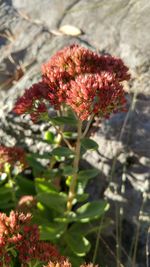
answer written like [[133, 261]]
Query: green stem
[[11, 182], [62, 137], [72, 188], [3, 262]]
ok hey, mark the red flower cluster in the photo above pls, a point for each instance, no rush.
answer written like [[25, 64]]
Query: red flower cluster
[[59, 264], [15, 156], [10, 234], [33, 101], [67, 264], [87, 82], [18, 237], [32, 249]]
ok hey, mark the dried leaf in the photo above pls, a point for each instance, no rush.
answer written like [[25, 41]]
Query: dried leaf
[[70, 30]]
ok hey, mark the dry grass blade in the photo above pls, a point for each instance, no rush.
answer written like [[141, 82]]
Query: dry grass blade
[[56, 32], [147, 248]]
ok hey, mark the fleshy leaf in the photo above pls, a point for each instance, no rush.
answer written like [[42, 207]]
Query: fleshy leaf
[[52, 231], [78, 243], [62, 152], [53, 200], [43, 186], [49, 137], [26, 186], [88, 174], [89, 144], [91, 211], [64, 120]]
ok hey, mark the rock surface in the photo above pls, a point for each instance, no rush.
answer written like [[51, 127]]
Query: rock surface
[[117, 27]]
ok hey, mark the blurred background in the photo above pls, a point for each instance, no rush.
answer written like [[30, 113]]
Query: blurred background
[[33, 30]]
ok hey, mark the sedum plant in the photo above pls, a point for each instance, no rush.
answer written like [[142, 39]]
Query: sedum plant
[[79, 84], [20, 244]]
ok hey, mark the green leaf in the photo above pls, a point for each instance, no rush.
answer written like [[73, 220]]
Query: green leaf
[[36, 165], [81, 197], [78, 243], [52, 231], [70, 135], [62, 152], [91, 211], [26, 186], [74, 259], [42, 216], [67, 218], [88, 227], [5, 194], [43, 186], [88, 174], [68, 180], [64, 120], [67, 170], [33, 156], [53, 200], [83, 178], [49, 137], [78, 228], [51, 174], [13, 252], [89, 144], [6, 205]]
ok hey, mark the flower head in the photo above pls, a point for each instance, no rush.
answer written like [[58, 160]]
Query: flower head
[[33, 101], [105, 97], [11, 233], [89, 83], [15, 156], [18, 235], [66, 263], [32, 248], [75, 60]]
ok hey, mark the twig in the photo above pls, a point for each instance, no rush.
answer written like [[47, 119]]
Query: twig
[[88, 126], [64, 139]]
